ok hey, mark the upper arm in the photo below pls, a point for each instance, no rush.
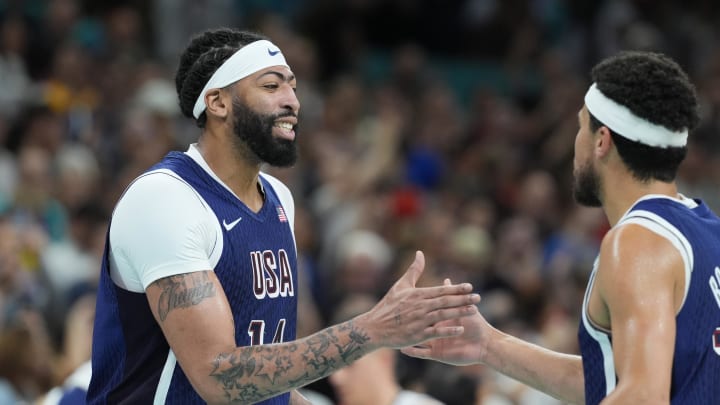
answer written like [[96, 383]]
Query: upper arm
[[165, 241], [195, 317], [640, 280]]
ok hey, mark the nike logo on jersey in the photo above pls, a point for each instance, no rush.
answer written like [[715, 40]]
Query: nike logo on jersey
[[231, 225], [273, 53]]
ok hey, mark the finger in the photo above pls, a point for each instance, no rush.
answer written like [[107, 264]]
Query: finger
[[417, 351], [447, 282], [438, 317], [436, 332], [413, 273], [445, 289], [451, 301]]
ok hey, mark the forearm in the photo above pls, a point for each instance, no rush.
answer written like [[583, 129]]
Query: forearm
[[557, 374], [252, 374]]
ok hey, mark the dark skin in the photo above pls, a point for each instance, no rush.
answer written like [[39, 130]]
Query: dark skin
[[193, 311]]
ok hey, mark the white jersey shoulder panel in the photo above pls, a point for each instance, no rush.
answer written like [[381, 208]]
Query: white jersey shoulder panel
[[161, 227]]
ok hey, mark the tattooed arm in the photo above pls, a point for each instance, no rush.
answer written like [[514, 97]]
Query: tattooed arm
[[195, 316]]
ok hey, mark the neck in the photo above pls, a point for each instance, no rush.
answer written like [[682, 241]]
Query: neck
[[621, 192], [235, 171]]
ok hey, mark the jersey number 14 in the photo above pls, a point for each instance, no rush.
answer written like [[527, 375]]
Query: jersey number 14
[[256, 331]]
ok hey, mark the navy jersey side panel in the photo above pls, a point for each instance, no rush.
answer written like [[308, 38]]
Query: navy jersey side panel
[[129, 349]]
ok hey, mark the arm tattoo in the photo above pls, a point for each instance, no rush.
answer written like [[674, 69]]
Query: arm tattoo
[[251, 374], [183, 291]]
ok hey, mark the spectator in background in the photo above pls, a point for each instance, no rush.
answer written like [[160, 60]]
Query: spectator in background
[[509, 111], [73, 367], [14, 79]]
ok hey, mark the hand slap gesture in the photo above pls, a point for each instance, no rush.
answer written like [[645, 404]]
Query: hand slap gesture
[[467, 348], [407, 315]]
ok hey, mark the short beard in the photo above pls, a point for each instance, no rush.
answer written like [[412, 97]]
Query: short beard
[[586, 187], [255, 133]]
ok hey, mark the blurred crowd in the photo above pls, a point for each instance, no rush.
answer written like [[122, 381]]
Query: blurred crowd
[[444, 126]]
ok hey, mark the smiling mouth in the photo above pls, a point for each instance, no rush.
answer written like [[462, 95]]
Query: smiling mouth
[[284, 125], [286, 130]]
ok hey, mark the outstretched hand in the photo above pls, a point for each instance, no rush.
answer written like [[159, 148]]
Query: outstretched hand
[[460, 350], [408, 315]]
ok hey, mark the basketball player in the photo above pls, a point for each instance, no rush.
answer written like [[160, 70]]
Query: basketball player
[[197, 298], [650, 330]]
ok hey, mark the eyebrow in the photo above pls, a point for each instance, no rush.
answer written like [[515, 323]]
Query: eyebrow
[[280, 75]]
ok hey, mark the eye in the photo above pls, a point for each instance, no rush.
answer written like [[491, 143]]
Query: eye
[[271, 86]]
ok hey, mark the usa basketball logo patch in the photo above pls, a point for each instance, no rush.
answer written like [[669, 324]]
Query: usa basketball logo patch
[[281, 214], [716, 341]]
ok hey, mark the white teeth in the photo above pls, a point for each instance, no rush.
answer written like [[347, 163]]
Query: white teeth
[[284, 125]]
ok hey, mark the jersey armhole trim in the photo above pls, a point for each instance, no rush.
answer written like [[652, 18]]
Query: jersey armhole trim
[[662, 227]]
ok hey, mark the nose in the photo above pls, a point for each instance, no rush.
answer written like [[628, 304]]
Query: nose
[[290, 100]]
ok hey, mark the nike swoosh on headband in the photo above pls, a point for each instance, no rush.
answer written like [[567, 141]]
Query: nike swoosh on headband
[[273, 53]]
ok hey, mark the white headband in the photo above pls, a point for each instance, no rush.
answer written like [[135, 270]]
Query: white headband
[[249, 59], [622, 121]]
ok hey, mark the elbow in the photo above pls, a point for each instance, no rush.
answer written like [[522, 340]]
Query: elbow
[[211, 390]]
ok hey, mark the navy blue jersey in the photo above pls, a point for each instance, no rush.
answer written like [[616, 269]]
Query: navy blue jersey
[[695, 231], [131, 359]]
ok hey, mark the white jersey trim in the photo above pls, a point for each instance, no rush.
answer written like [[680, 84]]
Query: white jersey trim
[[601, 337], [283, 192], [286, 199], [165, 379]]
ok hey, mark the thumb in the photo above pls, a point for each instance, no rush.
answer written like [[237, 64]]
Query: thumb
[[413, 273]]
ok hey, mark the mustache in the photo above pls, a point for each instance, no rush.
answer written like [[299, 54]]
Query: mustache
[[283, 114]]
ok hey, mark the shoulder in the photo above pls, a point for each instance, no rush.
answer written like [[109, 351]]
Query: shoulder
[[158, 194], [161, 226], [634, 258], [636, 243], [158, 183]]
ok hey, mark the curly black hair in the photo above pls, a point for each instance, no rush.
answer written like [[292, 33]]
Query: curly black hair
[[655, 88], [202, 57]]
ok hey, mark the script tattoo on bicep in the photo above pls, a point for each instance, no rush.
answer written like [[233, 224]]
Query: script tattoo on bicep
[[251, 374], [183, 291]]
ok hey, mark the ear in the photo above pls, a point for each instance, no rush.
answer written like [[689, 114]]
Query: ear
[[603, 142], [216, 104]]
